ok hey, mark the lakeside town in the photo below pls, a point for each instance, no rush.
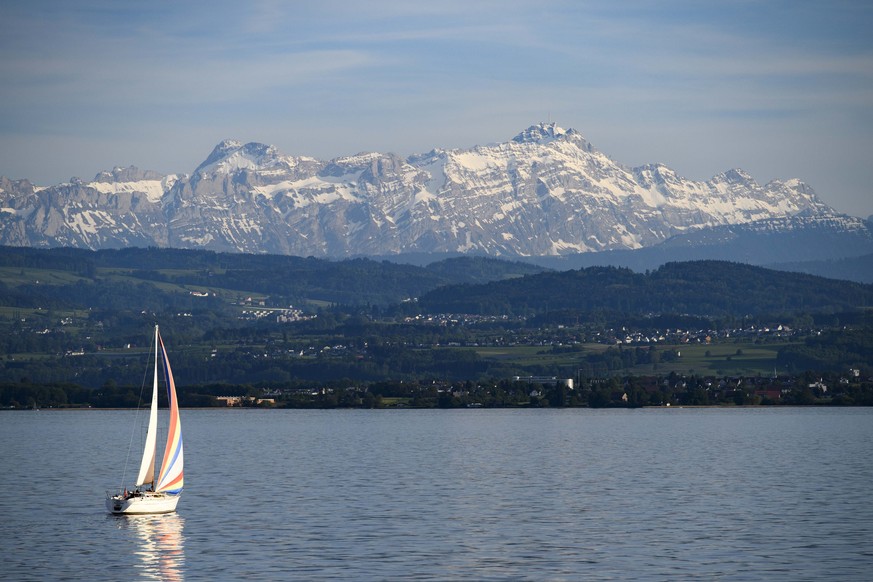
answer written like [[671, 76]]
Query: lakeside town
[[487, 362]]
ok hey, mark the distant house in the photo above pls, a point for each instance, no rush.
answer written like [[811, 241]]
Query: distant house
[[243, 400], [821, 386], [566, 382]]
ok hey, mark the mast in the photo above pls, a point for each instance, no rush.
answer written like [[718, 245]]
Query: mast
[[147, 468]]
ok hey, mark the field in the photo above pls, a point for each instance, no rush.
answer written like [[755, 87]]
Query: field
[[721, 359], [728, 359]]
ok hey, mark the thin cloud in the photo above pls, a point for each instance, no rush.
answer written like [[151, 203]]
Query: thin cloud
[[183, 81]]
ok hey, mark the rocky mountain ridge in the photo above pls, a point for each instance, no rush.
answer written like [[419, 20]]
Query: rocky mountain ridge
[[545, 192]]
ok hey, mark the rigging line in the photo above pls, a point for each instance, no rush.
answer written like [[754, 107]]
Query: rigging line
[[145, 376]]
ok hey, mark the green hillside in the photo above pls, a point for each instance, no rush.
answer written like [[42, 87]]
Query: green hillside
[[701, 288]]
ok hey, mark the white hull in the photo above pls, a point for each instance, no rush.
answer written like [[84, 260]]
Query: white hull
[[144, 503]]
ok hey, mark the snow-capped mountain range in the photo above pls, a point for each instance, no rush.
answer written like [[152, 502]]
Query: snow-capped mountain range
[[547, 191]]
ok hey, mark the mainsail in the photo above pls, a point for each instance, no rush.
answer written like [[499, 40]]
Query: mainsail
[[171, 479], [147, 467]]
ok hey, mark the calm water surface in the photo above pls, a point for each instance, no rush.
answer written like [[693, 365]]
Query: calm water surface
[[652, 494]]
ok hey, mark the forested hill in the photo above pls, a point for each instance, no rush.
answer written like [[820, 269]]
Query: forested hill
[[705, 288], [858, 269], [121, 272], [137, 278]]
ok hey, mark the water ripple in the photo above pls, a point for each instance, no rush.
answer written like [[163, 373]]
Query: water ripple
[[731, 494]]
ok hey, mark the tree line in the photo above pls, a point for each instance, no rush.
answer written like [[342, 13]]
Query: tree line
[[612, 392]]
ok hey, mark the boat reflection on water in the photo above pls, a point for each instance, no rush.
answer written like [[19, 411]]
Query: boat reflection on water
[[159, 544]]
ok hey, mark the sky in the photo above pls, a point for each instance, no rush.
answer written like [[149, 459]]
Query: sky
[[781, 88]]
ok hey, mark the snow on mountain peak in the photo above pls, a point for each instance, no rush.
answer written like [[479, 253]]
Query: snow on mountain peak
[[220, 151], [736, 176], [541, 133], [128, 174], [231, 155], [131, 180], [546, 133]]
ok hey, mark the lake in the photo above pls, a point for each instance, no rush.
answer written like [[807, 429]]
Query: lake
[[649, 494]]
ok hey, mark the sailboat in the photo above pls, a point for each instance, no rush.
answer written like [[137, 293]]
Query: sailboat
[[161, 494]]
